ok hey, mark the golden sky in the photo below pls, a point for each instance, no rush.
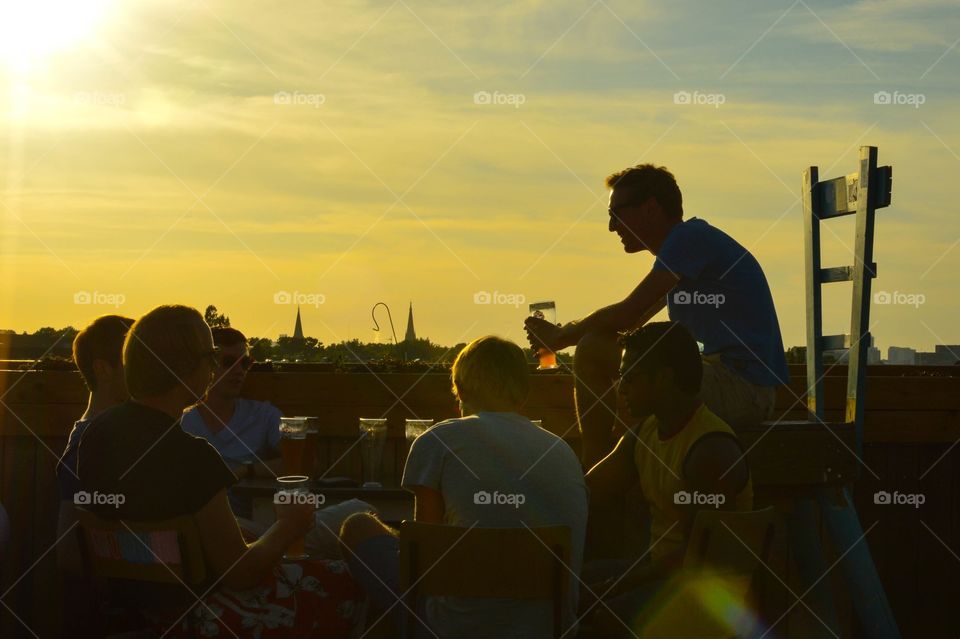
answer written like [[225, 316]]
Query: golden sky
[[231, 152]]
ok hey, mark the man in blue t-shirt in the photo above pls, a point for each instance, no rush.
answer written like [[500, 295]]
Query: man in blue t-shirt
[[709, 283]]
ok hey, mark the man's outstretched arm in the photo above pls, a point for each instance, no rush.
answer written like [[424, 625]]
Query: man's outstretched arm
[[645, 301]]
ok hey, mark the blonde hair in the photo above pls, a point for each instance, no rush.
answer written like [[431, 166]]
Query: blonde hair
[[491, 369], [162, 348]]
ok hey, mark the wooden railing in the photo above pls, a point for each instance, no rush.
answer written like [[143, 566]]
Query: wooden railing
[[912, 423]]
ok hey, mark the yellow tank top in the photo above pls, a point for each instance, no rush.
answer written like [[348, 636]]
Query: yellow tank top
[[660, 466]]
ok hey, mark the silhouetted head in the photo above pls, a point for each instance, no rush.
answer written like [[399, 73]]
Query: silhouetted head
[[233, 364], [661, 362], [169, 352], [645, 203], [98, 354], [491, 374]]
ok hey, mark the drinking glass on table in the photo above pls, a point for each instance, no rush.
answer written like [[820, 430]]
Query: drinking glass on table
[[293, 444], [545, 311], [293, 492], [310, 447], [373, 437], [413, 428]]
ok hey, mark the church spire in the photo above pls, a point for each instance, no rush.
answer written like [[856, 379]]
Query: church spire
[[411, 334], [298, 329]]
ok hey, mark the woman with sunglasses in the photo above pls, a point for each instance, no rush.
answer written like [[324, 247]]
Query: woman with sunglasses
[[242, 430]]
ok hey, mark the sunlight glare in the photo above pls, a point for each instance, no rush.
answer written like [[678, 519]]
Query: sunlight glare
[[33, 29]]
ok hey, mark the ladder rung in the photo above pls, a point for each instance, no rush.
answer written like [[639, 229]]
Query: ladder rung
[[843, 273], [835, 342], [838, 197]]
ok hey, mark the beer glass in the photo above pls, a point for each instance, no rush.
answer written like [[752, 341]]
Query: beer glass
[[293, 444], [545, 311], [373, 437], [413, 428], [310, 447], [294, 490]]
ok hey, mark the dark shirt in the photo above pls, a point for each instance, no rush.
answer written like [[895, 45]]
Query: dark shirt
[[67, 481], [136, 463]]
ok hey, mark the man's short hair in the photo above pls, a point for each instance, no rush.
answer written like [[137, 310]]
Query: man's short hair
[[491, 368], [162, 348], [102, 339], [227, 336], [660, 345], [646, 180]]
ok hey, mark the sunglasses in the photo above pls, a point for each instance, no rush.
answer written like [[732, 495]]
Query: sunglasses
[[228, 361], [613, 211]]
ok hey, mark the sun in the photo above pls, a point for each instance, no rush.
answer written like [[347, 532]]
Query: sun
[[30, 30]]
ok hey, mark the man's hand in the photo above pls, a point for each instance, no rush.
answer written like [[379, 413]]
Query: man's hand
[[543, 334]]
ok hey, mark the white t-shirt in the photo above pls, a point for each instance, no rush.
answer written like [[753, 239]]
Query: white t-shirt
[[480, 464]]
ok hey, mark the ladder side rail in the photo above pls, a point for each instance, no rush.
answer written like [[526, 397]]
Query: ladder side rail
[[811, 241], [862, 285]]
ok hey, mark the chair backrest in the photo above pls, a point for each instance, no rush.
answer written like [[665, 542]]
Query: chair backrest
[[509, 563], [167, 551], [731, 542]]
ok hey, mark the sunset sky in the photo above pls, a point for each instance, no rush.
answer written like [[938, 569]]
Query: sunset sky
[[228, 152]]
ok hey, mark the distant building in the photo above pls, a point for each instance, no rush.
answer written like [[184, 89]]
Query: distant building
[[943, 356], [411, 333], [901, 356], [842, 356], [949, 352]]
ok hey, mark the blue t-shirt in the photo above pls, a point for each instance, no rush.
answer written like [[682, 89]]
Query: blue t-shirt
[[68, 483], [252, 432], [724, 300], [482, 465]]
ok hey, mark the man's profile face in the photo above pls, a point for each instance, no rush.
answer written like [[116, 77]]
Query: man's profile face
[[632, 218]]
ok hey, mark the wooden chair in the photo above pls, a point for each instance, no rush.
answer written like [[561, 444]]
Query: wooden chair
[[724, 553], [166, 553], [510, 563]]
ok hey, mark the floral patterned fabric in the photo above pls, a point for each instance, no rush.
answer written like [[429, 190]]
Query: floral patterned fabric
[[301, 599]]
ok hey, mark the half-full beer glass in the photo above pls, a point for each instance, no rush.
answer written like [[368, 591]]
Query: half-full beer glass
[[293, 445], [310, 447], [545, 311]]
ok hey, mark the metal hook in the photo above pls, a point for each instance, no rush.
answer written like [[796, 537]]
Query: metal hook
[[376, 325]]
